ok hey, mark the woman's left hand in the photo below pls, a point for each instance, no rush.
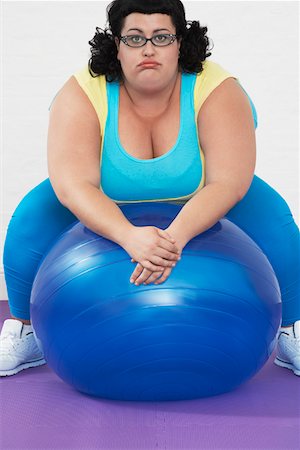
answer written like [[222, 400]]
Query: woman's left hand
[[141, 275]]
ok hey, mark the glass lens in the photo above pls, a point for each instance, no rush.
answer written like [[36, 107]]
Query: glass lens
[[135, 40], [162, 39]]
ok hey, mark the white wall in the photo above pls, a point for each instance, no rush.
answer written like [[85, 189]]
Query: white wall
[[45, 42]]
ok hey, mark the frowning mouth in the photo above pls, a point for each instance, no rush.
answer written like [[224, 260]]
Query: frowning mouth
[[149, 64]]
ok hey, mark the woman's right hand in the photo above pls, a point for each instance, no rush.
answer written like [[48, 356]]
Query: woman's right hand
[[152, 247]]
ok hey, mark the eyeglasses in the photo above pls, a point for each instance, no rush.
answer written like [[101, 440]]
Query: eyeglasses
[[159, 40]]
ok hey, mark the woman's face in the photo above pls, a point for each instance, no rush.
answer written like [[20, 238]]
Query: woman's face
[[148, 77]]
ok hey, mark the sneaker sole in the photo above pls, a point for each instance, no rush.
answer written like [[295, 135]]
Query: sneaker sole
[[286, 365], [6, 373]]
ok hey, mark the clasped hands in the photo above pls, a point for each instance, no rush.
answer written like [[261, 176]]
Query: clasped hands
[[156, 253]]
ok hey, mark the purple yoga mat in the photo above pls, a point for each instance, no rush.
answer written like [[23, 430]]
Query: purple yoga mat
[[39, 412]]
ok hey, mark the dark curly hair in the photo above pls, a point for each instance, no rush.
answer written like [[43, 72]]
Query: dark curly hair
[[194, 44]]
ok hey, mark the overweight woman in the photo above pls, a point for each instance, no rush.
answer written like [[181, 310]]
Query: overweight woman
[[149, 119]]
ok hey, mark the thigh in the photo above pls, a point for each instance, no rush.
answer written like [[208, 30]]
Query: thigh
[[262, 211], [38, 220], [35, 225], [265, 216]]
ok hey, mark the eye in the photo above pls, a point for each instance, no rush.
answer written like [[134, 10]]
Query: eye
[[160, 38], [135, 39]]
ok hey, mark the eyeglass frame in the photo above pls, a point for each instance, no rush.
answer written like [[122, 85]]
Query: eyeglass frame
[[123, 39]]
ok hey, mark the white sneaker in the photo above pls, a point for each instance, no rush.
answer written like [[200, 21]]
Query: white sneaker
[[18, 348], [288, 348]]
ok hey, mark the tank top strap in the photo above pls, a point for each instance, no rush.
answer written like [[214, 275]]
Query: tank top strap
[[187, 111]]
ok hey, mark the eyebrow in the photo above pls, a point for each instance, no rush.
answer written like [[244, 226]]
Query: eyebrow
[[154, 31]]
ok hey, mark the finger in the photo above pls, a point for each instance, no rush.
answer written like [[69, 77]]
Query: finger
[[136, 273], [140, 267], [164, 276], [150, 266], [169, 238], [143, 276], [165, 254], [162, 262], [166, 235], [167, 245], [153, 277]]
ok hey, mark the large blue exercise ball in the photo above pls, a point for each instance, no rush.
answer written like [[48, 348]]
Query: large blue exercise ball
[[206, 330]]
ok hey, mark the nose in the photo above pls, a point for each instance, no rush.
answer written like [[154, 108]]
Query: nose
[[148, 49]]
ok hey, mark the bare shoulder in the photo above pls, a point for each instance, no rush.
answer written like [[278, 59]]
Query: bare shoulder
[[228, 96], [227, 136], [71, 101], [74, 139]]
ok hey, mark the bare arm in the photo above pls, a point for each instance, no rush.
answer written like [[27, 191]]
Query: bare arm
[[74, 140], [227, 138]]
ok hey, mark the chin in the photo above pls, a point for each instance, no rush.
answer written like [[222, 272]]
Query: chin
[[150, 81]]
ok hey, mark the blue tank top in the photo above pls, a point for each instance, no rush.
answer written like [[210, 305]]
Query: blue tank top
[[174, 177]]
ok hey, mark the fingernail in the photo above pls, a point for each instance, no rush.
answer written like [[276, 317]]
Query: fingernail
[[173, 264], [131, 281]]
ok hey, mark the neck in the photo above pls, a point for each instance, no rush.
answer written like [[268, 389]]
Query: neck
[[151, 102]]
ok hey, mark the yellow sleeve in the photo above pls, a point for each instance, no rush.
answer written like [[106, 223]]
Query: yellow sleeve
[[211, 76], [95, 89]]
